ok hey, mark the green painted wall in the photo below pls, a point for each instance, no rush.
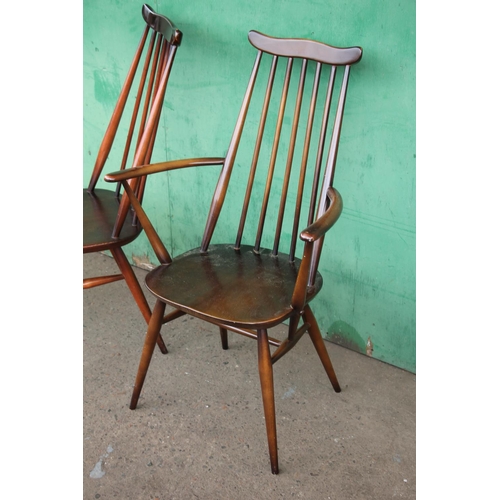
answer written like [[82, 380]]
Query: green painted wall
[[369, 259]]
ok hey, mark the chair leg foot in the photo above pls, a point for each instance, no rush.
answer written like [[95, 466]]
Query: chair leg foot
[[147, 350], [319, 344], [267, 387], [223, 338], [161, 344]]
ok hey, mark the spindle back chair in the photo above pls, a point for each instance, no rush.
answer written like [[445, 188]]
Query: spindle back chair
[[248, 288], [108, 222]]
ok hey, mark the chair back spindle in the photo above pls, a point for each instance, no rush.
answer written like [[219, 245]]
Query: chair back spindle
[[221, 188], [329, 171], [274, 155]]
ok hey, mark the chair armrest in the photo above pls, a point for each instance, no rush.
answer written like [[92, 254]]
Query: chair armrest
[[317, 229], [131, 173], [130, 197], [314, 232]]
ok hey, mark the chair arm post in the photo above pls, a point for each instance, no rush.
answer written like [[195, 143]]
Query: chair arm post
[[158, 246], [313, 240], [300, 290]]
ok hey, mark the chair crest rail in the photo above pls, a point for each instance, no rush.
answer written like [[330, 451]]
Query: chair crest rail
[[307, 49]]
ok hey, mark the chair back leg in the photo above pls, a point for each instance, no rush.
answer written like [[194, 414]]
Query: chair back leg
[[319, 344], [223, 338]]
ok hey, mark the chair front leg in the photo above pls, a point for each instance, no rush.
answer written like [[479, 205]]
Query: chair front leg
[[147, 351], [267, 387]]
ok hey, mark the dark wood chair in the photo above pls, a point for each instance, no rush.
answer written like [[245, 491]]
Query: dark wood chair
[[246, 288], [108, 221]]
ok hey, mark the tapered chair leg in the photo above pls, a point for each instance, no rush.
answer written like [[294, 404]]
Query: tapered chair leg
[[135, 288], [319, 344], [223, 338], [267, 387], [147, 351]]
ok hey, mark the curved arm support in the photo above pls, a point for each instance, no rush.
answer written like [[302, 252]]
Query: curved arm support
[[310, 235], [129, 197], [165, 166], [159, 248], [318, 229]]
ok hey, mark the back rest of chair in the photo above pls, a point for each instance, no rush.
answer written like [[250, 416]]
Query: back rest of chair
[[327, 59], [145, 109]]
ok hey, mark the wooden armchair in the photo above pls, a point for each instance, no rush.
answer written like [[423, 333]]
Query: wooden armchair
[[108, 221], [246, 288]]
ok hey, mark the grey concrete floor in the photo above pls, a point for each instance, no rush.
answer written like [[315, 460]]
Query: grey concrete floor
[[198, 431]]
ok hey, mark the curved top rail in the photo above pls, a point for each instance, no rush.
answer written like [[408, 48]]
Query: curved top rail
[[161, 24], [306, 49]]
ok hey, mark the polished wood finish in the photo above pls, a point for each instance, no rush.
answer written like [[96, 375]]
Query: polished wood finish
[[245, 287], [108, 222]]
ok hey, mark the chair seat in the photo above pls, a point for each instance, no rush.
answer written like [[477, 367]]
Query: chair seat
[[99, 216], [233, 287]]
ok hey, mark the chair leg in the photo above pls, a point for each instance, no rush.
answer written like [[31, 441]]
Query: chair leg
[[147, 350], [136, 290], [319, 344], [267, 387], [223, 338]]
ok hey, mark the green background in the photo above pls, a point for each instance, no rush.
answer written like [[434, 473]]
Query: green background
[[368, 262]]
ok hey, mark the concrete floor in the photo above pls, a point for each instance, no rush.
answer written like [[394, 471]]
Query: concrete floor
[[198, 431]]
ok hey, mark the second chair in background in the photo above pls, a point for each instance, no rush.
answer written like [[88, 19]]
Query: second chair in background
[[108, 222]]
